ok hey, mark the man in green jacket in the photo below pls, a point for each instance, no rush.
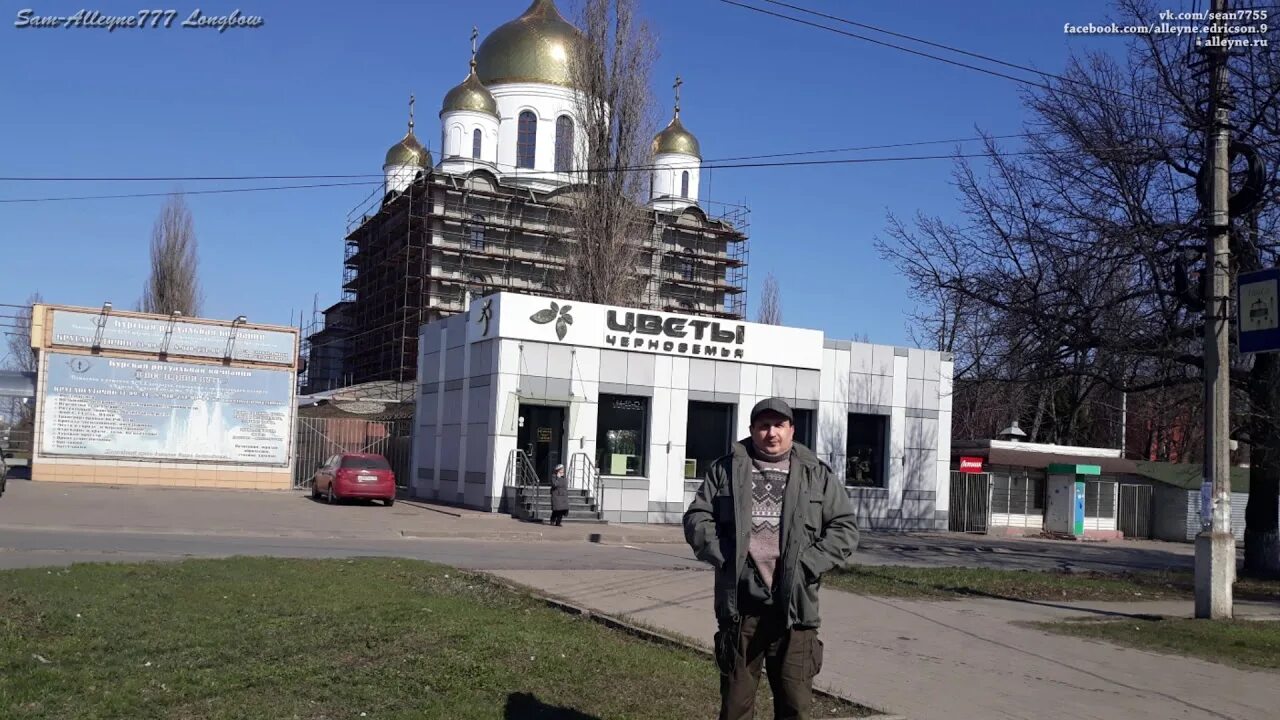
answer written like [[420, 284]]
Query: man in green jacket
[[771, 518]]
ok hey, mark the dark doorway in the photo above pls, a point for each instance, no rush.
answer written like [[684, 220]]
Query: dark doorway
[[541, 437], [804, 427], [709, 436]]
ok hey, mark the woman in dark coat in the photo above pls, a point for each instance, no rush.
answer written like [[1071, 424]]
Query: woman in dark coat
[[559, 495]]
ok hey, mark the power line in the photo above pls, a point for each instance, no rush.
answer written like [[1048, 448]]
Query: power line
[[939, 58], [188, 192], [950, 48], [210, 178], [639, 168], [796, 153]]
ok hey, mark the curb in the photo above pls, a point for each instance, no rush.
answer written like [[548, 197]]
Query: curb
[[657, 636]]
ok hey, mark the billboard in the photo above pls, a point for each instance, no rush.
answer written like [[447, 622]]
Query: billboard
[[123, 409], [72, 328]]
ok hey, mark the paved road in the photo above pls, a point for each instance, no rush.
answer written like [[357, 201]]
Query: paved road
[[36, 548], [52, 523]]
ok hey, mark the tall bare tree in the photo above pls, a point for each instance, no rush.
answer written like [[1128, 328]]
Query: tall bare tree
[[770, 302], [20, 357], [174, 283], [614, 108], [1076, 264]]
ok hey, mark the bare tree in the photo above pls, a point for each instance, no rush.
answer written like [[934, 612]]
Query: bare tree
[[770, 302], [20, 357], [173, 283], [1076, 265], [614, 108]]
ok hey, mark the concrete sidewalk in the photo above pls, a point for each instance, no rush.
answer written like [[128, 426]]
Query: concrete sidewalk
[[957, 660]]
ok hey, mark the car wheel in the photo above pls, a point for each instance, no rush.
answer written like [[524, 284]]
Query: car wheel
[[315, 490], [389, 502], [333, 496]]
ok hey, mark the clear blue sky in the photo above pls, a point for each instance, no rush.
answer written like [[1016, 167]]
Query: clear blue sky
[[321, 89]]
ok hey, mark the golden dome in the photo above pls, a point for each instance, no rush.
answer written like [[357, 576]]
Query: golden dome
[[408, 152], [534, 47], [675, 139], [470, 95]]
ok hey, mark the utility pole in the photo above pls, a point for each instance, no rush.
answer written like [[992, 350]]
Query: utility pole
[[1216, 549]]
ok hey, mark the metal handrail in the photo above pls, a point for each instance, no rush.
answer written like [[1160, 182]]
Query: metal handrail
[[580, 464], [521, 470]]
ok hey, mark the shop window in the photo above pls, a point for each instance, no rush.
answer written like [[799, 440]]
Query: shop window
[[1017, 493], [708, 436], [1099, 499], [804, 427], [866, 446], [622, 435]]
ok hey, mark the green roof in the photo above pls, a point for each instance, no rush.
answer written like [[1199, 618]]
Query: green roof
[[1188, 476]]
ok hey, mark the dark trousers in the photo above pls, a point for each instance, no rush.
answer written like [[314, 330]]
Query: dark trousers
[[557, 516], [791, 659]]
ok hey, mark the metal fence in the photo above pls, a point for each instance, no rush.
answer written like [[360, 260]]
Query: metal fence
[[970, 502], [318, 439], [1134, 515]]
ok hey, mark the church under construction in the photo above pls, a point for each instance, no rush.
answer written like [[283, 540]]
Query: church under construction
[[493, 213]]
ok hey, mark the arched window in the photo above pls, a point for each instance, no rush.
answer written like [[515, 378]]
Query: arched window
[[526, 139], [684, 184], [564, 144], [476, 136], [477, 232]]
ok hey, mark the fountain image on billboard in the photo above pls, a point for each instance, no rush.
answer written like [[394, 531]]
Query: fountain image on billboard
[[136, 409]]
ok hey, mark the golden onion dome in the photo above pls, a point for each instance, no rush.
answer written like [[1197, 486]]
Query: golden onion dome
[[674, 138], [535, 47], [408, 152], [470, 95]]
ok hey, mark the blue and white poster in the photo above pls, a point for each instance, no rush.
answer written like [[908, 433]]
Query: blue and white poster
[[136, 409]]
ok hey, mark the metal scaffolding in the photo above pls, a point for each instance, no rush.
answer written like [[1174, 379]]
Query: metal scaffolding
[[418, 255]]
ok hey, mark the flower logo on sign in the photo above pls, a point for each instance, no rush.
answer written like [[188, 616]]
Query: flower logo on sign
[[559, 315]]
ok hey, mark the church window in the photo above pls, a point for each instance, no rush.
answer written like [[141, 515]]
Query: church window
[[526, 139]]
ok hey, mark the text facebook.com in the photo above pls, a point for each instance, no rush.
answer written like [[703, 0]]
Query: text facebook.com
[[1213, 35]]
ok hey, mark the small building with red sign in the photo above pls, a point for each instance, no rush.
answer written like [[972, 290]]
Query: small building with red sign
[[1009, 487]]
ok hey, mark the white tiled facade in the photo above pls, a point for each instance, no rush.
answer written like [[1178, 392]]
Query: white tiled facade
[[477, 369]]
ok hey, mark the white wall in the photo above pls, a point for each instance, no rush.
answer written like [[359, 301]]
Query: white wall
[[548, 102], [667, 180], [399, 177], [458, 128], [905, 386]]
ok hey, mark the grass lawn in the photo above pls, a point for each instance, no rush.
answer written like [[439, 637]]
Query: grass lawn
[[951, 583], [1245, 643], [278, 639]]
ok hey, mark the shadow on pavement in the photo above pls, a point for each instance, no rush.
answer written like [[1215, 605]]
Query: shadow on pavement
[[1022, 553], [526, 706], [968, 592]]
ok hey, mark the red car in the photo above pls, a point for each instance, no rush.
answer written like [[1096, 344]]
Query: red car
[[355, 476]]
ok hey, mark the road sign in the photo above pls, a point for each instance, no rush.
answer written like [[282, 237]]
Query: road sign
[[1258, 311]]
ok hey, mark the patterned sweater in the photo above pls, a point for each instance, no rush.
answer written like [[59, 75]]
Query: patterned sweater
[[768, 482]]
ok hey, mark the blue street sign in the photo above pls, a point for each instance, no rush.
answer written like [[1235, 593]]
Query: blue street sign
[[1257, 311]]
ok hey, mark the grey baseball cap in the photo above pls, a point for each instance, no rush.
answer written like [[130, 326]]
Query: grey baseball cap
[[773, 404]]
